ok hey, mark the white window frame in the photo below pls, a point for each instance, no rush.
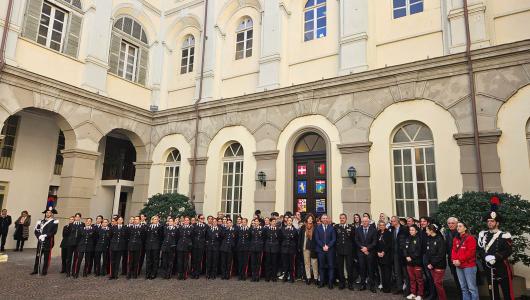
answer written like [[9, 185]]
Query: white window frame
[[315, 28], [50, 25], [244, 28], [236, 188], [123, 63], [173, 168], [407, 8], [188, 46]]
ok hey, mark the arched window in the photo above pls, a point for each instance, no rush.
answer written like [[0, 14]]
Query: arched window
[[129, 50], [244, 35], [75, 3], [415, 190], [232, 189], [314, 19], [171, 174], [188, 55]]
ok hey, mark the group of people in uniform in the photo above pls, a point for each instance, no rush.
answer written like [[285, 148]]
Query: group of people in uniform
[[409, 254]]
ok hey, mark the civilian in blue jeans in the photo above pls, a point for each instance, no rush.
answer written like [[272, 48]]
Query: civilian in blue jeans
[[463, 255]]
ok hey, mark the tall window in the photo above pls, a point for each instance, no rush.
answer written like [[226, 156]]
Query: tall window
[[232, 180], [314, 19], [415, 189], [52, 27], [244, 35], [7, 145], [188, 55], [3, 193], [407, 7], [59, 155], [128, 61], [171, 175]]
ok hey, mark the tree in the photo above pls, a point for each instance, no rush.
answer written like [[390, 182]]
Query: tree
[[165, 205], [471, 207]]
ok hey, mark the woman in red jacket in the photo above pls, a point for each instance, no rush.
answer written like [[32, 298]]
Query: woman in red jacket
[[463, 255]]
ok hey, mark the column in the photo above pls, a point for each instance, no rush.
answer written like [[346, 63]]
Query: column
[[491, 167], [265, 196], [200, 178], [353, 36], [269, 63], [356, 197], [94, 46], [457, 29], [116, 203], [141, 186]]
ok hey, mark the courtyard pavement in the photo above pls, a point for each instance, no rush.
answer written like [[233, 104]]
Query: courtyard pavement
[[16, 283]]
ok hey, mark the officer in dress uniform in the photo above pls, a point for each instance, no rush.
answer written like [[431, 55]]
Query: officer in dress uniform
[[63, 245], [256, 249], [168, 247], [184, 246], [271, 250], [135, 234], [344, 248], [227, 246], [73, 239], [45, 231], [85, 248], [213, 244], [243, 248], [495, 247], [101, 249], [118, 247], [153, 238], [289, 238], [199, 246]]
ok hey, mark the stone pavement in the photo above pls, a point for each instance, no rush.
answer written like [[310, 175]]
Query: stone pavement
[[16, 283]]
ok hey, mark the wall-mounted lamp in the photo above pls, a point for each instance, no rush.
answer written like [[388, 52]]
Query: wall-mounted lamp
[[262, 178], [352, 173]]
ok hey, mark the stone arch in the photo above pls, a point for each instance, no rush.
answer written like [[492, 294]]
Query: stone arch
[[135, 11], [443, 127], [139, 144], [284, 163], [232, 7], [174, 30], [219, 143]]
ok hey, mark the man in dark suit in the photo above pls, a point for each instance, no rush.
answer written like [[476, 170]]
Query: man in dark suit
[[5, 222], [366, 240], [325, 238]]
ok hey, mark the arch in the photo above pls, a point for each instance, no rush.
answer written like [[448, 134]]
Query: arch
[[443, 127], [232, 7], [513, 119], [160, 152], [136, 12], [189, 23], [136, 30], [213, 181], [136, 140], [295, 129]]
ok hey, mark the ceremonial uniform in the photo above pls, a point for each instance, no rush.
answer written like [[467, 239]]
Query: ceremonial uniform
[[85, 250], [344, 249], [168, 250], [271, 251], [64, 247], [184, 246], [118, 248], [213, 244], [243, 250], [101, 250], [153, 238], [198, 251], [289, 238], [45, 231], [227, 246], [256, 251], [73, 239], [135, 235]]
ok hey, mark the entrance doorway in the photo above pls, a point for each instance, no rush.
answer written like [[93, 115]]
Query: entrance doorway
[[310, 175], [122, 206]]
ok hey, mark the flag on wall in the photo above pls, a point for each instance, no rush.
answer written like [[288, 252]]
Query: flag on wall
[[320, 206], [301, 170], [301, 187], [320, 186], [302, 205], [321, 169]]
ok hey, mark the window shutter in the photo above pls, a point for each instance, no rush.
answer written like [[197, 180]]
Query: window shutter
[[74, 32], [33, 12], [142, 65], [114, 53]]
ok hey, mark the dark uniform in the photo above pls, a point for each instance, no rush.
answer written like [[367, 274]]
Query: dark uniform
[[227, 246], [184, 246], [45, 232], [213, 244], [198, 251], [73, 239], [168, 250], [153, 239], [384, 245], [344, 249], [289, 239], [85, 250], [64, 247], [101, 250], [135, 235], [495, 247], [118, 248], [256, 251], [271, 251], [243, 250]]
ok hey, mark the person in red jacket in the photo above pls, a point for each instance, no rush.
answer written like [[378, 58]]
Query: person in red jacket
[[463, 255]]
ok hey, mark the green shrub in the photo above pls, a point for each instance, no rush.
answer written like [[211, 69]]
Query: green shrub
[[165, 205]]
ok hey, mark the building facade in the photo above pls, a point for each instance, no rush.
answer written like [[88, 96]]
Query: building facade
[[269, 105]]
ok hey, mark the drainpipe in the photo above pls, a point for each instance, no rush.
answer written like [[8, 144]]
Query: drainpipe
[[473, 100], [196, 105], [4, 36]]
